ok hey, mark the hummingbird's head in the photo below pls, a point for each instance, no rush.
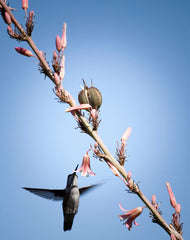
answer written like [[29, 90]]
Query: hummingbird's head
[[72, 179]]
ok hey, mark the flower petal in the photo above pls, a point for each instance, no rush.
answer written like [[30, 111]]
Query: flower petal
[[78, 107], [122, 208], [136, 223]]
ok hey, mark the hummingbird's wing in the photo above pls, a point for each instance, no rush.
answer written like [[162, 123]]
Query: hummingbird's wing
[[52, 194], [90, 187]]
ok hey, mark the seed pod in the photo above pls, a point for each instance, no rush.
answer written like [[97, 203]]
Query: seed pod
[[91, 96]]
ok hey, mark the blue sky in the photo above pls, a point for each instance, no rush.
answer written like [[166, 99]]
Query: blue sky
[[137, 54]]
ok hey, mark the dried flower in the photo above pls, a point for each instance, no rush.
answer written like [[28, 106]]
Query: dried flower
[[130, 215], [85, 167], [90, 95], [24, 52], [171, 195]]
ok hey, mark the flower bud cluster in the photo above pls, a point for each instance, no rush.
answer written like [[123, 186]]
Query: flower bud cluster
[[120, 152], [176, 216], [156, 206], [29, 18], [16, 34], [58, 62], [30, 23]]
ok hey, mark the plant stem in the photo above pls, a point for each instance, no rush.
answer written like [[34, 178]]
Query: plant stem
[[90, 131]]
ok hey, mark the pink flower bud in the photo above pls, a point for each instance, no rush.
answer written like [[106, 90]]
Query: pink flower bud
[[25, 4], [96, 144], [129, 175], [178, 208], [56, 79], [153, 199], [126, 135], [7, 18], [58, 43], [114, 169], [171, 195], [24, 52], [172, 237], [41, 54], [64, 37], [10, 31], [130, 183], [62, 71], [54, 55], [31, 16], [94, 114]]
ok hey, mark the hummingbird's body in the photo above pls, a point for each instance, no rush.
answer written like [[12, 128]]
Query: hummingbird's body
[[70, 197], [70, 201]]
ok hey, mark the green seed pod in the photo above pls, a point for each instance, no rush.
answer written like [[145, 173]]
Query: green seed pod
[[91, 96]]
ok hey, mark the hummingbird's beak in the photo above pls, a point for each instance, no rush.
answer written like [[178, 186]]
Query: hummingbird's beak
[[76, 167]]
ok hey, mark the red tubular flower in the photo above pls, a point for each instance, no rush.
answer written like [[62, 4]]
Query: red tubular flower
[[171, 195], [24, 52], [130, 215], [85, 167]]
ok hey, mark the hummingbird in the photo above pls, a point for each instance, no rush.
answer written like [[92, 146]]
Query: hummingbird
[[70, 197]]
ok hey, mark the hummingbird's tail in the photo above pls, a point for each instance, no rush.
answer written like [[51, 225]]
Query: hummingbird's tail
[[68, 222]]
